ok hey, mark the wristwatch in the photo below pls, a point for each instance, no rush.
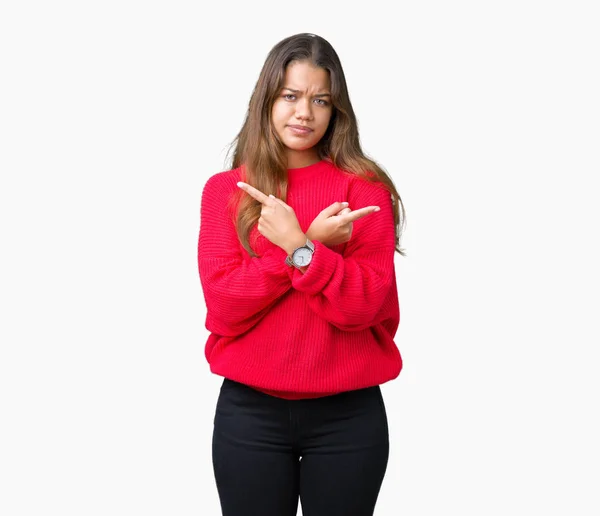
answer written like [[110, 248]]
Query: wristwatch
[[301, 256]]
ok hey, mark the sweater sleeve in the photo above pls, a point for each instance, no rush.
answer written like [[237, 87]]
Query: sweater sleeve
[[349, 291], [238, 289]]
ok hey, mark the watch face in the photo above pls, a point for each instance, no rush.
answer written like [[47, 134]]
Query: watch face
[[302, 256]]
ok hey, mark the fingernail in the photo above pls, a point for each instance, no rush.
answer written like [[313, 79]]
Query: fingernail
[[345, 203], [271, 196], [377, 208], [239, 183]]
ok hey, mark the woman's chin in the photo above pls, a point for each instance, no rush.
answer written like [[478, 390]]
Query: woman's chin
[[296, 146]]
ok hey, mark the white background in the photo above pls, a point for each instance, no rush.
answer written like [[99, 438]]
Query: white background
[[113, 116]]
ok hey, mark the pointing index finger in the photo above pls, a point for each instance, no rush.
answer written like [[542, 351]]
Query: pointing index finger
[[357, 214], [253, 192]]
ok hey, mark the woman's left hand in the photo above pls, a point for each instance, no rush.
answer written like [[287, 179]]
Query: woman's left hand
[[278, 222]]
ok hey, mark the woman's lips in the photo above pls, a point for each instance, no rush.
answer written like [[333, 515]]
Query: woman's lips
[[299, 130]]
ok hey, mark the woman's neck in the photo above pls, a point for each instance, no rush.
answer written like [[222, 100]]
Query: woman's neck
[[302, 159]]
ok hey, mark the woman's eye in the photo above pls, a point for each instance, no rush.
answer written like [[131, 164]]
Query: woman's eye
[[288, 95], [324, 102]]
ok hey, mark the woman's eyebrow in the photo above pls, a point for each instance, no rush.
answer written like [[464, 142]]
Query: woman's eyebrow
[[298, 91]]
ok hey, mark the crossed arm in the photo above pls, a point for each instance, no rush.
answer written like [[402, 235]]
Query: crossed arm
[[348, 291]]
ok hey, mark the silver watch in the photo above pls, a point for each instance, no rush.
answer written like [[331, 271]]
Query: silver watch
[[302, 255]]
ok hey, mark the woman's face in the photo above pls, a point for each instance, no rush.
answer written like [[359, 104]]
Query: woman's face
[[305, 101]]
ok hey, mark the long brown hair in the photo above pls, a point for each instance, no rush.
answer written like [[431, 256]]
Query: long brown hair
[[261, 154]]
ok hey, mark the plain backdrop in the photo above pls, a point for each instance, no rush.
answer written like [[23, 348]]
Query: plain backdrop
[[114, 114]]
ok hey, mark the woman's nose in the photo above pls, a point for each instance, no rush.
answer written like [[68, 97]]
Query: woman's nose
[[303, 109]]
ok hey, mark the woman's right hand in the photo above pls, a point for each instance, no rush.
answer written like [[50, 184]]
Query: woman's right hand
[[334, 224]]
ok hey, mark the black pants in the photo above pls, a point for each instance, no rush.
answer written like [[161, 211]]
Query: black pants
[[330, 452]]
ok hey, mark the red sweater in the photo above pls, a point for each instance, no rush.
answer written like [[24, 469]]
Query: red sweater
[[295, 335]]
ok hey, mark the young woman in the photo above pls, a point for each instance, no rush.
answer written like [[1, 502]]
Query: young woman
[[296, 261]]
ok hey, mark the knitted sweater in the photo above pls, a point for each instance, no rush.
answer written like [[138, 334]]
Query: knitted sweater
[[301, 335]]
